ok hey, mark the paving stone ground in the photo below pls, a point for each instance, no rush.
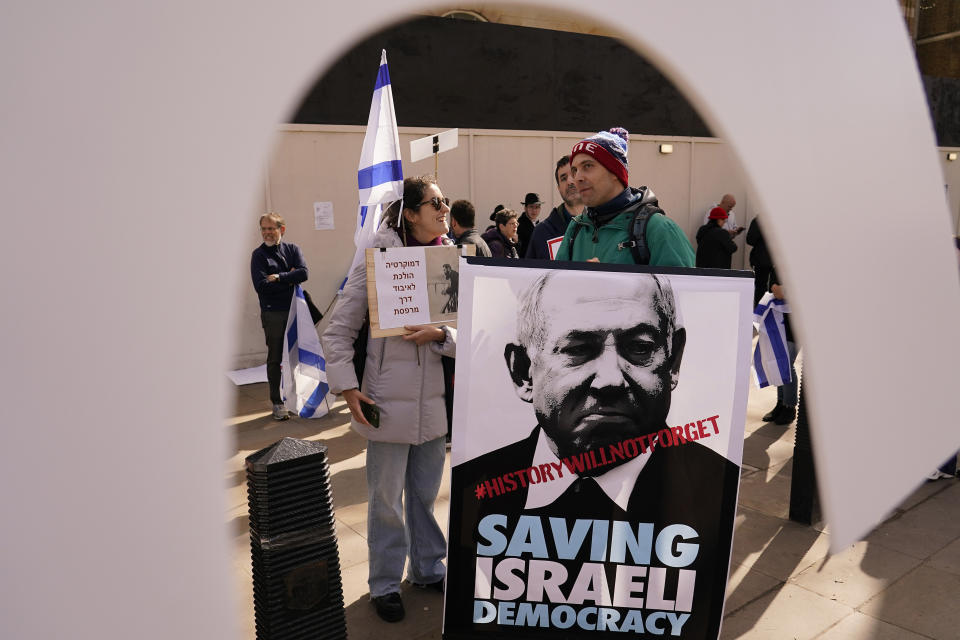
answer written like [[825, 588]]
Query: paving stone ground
[[901, 583]]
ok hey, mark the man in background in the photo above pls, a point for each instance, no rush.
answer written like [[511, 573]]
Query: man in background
[[727, 203], [759, 259], [550, 231], [276, 267], [463, 218], [527, 222]]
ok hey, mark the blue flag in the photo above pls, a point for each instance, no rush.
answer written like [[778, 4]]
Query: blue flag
[[304, 379], [771, 360]]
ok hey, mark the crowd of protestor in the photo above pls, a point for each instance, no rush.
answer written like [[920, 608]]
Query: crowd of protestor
[[601, 218]]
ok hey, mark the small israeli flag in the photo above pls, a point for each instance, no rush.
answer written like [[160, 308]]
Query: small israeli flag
[[380, 174], [771, 361], [304, 379]]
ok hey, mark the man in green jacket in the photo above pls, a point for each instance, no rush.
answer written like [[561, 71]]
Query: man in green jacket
[[603, 232]]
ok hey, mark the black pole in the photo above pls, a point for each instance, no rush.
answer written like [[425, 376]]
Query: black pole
[[804, 503]]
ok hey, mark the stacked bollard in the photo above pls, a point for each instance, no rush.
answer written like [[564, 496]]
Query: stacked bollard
[[297, 587]]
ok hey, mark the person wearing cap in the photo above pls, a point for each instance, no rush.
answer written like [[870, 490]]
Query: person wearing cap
[[552, 229], [528, 220], [603, 232], [715, 245], [727, 203]]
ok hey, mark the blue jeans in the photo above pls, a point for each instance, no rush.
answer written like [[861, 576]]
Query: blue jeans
[[393, 469], [787, 393]]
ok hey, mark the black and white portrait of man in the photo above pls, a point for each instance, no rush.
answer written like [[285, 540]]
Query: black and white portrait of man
[[598, 365], [597, 357]]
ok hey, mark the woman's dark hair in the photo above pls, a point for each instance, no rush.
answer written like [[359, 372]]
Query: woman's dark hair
[[413, 190], [504, 216]]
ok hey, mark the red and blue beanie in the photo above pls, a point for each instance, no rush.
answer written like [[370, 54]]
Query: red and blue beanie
[[609, 148]]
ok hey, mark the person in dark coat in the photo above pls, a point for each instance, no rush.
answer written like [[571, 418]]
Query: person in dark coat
[[502, 238], [715, 247], [527, 221], [759, 260], [463, 218], [276, 267]]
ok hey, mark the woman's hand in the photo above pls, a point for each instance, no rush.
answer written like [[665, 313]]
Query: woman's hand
[[354, 397], [424, 333]]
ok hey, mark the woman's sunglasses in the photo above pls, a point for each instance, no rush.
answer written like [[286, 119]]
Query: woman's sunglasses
[[436, 202]]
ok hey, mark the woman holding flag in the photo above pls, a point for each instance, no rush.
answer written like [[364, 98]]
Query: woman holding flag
[[403, 379]]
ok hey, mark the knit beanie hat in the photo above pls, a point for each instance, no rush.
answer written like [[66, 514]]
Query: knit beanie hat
[[718, 213], [609, 148]]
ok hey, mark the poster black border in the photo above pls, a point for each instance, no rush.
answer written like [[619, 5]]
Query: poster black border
[[605, 266]]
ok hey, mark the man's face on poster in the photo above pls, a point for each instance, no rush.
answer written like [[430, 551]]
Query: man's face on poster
[[603, 368]]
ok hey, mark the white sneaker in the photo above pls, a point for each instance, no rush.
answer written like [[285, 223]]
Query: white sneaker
[[938, 475], [280, 412]]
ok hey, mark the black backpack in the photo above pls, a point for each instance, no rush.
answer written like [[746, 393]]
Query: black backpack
[[638, 230]]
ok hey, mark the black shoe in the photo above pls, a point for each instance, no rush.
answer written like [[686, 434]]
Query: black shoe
[[786, 415], [389, 607], [770, 417], [433, 586]]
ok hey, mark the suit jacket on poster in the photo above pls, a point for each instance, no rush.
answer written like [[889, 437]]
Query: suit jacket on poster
[[684, 484]]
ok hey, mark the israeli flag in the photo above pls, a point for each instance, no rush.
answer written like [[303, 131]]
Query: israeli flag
[[771, 360], [304, 378], [380, 174]]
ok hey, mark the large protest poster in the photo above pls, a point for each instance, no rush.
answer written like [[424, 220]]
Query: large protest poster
[[597, 440]]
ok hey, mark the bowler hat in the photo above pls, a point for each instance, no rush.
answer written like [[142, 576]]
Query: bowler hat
[[532, 198]]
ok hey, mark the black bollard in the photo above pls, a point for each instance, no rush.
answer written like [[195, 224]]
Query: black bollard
[[297, 587], [804, 503]]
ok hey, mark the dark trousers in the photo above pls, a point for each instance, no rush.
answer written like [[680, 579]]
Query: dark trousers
[[274, 323], [761, 282]]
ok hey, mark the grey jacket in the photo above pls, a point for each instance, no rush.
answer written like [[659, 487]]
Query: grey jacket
[[404, 380], [472, 236]]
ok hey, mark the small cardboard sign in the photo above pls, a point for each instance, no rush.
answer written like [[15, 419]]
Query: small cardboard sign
[[413, 285]]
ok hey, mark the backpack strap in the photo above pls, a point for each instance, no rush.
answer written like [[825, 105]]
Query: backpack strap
[[573, 237], [638, 233]]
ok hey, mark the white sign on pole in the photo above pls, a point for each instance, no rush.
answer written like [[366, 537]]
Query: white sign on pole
[[438, 143]]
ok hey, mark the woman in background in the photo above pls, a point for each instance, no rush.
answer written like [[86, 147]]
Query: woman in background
[[502, 238]]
